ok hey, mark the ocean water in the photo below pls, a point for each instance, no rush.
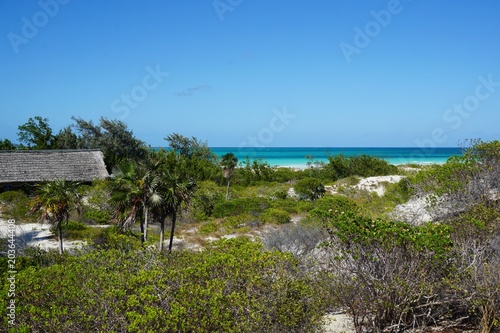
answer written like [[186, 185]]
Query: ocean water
[[297, 156]]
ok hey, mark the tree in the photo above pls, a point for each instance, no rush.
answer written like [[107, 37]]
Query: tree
[[179, 143], [6, 144], [189, 147], [113, 137], [176, 187], [133, 191], [202, 161], [36, 133], [228, 163], [55, 200], [65, 139]]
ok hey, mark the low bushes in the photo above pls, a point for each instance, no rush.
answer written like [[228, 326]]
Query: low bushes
[[16, 205], [232, 286], [275, 216], [388, 274], [340, 166], [95, 216], [252, 205], [76, 230], [309, 188]]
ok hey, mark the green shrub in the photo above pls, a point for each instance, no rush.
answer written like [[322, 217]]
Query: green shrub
[[73, 225], [275, 216], [73, 230], [253, 205], [95, 216], [16, 205], [11, 196], [289, 205], [112, 238], [232, 223], [208, 228], [283, 175], [309, 188], [382, 269], [232, 286], [207, 195], [340, 166]]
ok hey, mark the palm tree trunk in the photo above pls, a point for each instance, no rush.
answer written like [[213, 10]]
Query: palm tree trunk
[[227, 189], [162, 233], [146, 223], [59, 232], [174, 217], [142, 230]]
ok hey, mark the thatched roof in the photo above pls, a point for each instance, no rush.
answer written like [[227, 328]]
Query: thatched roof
[[25, 166]]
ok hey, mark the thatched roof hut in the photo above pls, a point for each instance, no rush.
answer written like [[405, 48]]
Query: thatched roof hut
[[33, 166]]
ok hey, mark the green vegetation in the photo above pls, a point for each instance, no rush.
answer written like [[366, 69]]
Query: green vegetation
[[55, 200], [340, 166], [309, 188], [232, 286], [275, 216], [342, 252], [15, 204]]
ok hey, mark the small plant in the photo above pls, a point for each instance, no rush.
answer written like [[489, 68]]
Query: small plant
[[208, 228], [275, 216], [95, 216], [15, 204], [253, 205]]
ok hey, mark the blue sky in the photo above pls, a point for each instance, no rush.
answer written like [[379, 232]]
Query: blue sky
[[257, 73]]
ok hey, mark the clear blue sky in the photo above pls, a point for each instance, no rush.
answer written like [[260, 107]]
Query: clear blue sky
[[256, 72]]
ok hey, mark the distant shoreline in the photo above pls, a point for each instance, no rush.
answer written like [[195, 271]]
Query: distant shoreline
[[298, 157]]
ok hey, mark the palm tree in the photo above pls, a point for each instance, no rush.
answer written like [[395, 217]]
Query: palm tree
[[228, 163], [55, 200], [176, 189], [134, 191]]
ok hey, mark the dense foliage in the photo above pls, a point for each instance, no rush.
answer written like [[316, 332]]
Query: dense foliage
[[340, 166], [232, 286]]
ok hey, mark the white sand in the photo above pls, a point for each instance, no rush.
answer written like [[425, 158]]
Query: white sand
[[371, 184], [338, 323], [36, 235], [376, 184]]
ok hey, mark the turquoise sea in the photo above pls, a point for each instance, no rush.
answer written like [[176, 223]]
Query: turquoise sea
[[297, 156]]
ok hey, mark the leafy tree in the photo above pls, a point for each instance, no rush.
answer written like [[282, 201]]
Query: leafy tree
[[189, 147], [36, 133], [180, 144], [228, 162], [207, 195], [6, 144], [55, 200], [65, 139], [202, 161], [113, 137]]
